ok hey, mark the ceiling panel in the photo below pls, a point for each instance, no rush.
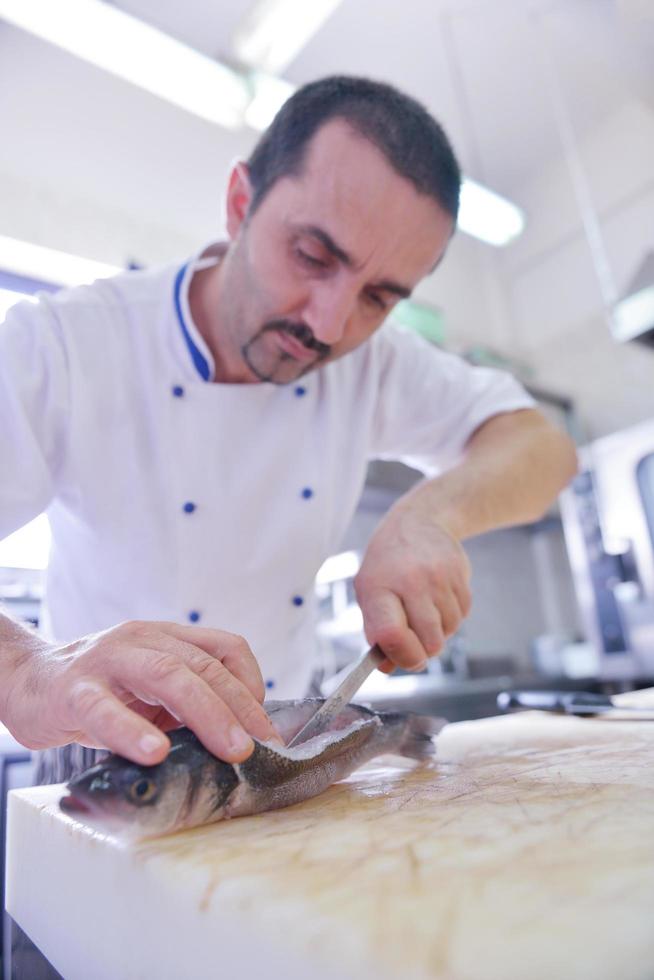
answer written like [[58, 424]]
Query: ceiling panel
[[477, 64], [207, 25], [483, 67]]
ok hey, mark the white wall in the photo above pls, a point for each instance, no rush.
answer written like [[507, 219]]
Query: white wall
[[468, 288]]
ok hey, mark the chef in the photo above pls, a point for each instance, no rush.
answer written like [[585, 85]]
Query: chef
[[199, 434]]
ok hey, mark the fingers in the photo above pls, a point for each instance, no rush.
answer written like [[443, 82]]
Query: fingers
[[200, 692], [427, 622], [463, 595], [232, 650], [142, 672], [228, 660], [386, 624], [118, 688], [433, 620], [102, 720], [414, 628]]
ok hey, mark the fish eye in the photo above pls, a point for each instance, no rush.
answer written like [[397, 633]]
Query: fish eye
[[142, 790]]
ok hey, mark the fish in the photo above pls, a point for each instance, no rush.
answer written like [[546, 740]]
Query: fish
[[192, 787]]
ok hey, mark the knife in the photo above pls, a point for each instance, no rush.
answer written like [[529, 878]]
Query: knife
[[341, 696], [569, 703]]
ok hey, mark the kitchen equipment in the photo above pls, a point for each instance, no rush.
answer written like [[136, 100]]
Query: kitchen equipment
[[608, 520], [571, 703], [342, 695], [525, 849]]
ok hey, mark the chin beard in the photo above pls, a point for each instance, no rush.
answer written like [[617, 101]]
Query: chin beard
[[278, 367]]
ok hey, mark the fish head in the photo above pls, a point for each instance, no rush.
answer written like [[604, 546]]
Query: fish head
[[116, 789], [189, 786]]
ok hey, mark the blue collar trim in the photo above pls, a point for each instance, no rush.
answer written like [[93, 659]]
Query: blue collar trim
[[199, 360]]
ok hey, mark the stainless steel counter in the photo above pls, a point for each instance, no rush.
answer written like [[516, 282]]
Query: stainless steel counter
[[460, 699]]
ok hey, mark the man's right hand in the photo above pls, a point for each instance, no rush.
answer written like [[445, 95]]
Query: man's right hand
[[123, 688]]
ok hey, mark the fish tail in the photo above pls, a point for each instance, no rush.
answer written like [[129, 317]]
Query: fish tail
[[417, 740]]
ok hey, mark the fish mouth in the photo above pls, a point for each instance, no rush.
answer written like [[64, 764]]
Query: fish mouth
[[73, 804]]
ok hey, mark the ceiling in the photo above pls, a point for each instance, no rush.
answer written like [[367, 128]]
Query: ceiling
[[485, 68]]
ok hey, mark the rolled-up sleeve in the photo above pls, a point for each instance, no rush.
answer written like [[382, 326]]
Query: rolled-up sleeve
[[431, 402], [34, 406]]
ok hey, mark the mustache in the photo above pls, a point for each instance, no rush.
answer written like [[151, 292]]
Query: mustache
[[300, 332]]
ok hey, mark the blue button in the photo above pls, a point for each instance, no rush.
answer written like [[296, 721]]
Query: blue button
[[270, 685], [189, 507], [298, 600], [307, 493], [300, 390], [194, 615], [178, 391]]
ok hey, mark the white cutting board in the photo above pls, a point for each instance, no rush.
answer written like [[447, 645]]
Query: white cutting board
[[526, 852]]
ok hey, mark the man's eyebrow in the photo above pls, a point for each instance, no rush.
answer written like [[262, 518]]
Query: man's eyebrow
[[326, 239], [329, 243], [393, 287]]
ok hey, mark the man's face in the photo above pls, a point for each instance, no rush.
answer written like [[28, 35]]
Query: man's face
[[322, 261]]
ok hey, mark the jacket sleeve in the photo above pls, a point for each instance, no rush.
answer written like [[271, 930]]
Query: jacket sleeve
[[431, 402], [33, 412]]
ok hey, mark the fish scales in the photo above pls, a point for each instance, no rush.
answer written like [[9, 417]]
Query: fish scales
[[266, 767]]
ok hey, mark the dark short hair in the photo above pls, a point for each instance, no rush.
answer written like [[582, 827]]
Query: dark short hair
[[409, 137]]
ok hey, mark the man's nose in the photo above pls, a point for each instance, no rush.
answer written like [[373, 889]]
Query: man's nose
[[328, 310]]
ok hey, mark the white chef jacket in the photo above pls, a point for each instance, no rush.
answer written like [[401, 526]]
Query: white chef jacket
[[174, 498]]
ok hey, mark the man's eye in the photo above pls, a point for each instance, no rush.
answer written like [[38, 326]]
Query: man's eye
[[377, 300], [310, 260]]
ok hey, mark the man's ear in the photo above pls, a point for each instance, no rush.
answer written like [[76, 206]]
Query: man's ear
[[239, 195]]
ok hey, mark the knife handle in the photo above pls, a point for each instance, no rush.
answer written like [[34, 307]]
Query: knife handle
[[561, 701]]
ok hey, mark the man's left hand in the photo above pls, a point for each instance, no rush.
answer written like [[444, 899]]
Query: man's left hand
[[413, 586]]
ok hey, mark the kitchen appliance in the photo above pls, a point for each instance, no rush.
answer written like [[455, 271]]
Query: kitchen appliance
[[608, 520]]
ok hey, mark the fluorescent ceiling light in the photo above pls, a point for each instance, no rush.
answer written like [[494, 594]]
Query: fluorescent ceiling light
[[28, 547], [338, 567], [50, 265], [268, 96], [142, 55], [269, 38], [274, 31], [487, 216]]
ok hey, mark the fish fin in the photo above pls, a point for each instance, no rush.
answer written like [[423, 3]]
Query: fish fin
[[418, 739]]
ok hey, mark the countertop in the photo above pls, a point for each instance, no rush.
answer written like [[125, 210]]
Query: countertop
[[524, 851]]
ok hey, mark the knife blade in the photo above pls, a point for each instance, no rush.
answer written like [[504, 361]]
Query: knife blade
[[341, 696], [570, 703]]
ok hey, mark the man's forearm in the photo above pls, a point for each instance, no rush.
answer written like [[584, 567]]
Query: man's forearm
[[514, 466], [413, 584], [17, 644]]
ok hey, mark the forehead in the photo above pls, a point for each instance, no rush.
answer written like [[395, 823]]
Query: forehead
[[348, 188]]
